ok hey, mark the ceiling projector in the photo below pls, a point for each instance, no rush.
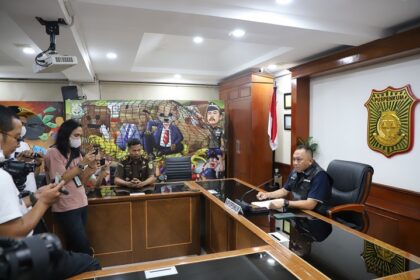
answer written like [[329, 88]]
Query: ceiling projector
[[49, 61], [53, 62]]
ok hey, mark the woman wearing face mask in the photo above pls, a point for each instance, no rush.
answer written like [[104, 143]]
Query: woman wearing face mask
[[64, 161]]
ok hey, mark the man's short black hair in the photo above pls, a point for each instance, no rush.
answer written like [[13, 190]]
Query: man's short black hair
[[133, 142], [6, 118], [306, 148]]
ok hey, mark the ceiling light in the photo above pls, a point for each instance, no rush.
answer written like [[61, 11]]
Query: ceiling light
[[198, 40], [237, 33], [272, 67], [111, 55], [283, 2], [28, 50], [177, 76]]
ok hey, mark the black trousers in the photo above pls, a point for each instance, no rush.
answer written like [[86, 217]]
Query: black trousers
[[69, 264], [72, 224]]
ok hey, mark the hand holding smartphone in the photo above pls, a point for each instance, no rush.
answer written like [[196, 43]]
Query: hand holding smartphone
[[57, 180]]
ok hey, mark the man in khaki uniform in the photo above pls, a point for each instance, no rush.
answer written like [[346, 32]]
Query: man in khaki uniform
[[135, 171]]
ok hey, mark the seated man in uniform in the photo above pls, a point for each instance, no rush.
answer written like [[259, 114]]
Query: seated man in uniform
[[309, 184], [135, 171]]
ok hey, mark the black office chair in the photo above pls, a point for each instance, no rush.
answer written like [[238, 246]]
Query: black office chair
[[178, 169], [350, 189]]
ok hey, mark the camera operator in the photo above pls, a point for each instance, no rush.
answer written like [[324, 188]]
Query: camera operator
[[24, 152], [16, 220]]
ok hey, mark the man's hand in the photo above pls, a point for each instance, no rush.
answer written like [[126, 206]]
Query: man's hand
[[276, 204], [263, 195], [173, 147], [25, 156], [49, 194], [135, 183]]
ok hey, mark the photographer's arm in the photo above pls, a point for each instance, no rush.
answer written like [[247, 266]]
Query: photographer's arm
[[22, 226]]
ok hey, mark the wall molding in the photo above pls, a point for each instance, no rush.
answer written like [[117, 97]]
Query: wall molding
[[395, 200]]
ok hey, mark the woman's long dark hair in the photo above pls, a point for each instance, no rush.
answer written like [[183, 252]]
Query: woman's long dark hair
[[62, 142]]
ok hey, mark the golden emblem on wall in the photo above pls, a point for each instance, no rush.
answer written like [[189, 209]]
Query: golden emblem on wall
[[391, 120]]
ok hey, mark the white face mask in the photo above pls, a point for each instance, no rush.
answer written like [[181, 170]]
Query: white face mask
[[75, 142], [23, 132]]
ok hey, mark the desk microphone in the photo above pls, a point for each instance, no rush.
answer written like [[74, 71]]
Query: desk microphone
[[248, 208]]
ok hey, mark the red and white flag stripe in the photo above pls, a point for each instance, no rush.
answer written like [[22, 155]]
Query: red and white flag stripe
[[272, 121]]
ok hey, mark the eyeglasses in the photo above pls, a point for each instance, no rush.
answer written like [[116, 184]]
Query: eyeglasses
[[18, 139]]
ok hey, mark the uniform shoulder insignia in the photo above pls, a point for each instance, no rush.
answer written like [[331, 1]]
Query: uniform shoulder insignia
[[125, 160]]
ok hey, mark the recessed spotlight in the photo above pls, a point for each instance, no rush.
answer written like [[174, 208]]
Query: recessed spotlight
[[198, 39], [272, 67], [177, 76], [28, 50], [111, 55], [237, 33], [284, 2]]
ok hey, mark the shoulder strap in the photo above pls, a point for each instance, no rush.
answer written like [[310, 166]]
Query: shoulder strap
[[70, 160]]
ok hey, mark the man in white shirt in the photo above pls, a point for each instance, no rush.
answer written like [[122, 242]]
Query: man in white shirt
[[24, 151]]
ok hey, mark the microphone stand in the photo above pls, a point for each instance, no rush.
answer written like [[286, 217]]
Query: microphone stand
[[248, 208]]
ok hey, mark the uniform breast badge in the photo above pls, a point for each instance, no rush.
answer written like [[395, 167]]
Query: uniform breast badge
[[391, 120]]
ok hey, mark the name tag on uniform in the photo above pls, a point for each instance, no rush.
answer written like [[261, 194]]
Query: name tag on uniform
[[306, 180]]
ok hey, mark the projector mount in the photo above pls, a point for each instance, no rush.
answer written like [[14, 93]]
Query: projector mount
[[51, 28]]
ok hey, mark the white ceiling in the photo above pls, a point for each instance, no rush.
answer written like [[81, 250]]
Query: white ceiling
[[153, 38]]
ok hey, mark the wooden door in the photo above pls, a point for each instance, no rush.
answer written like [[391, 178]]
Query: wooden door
[[239, 138]]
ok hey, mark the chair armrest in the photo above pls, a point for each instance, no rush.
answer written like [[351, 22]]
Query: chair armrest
[[360, 208]]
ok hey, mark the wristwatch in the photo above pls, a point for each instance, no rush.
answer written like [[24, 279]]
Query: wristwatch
[[32, 198], [81, 166], [286, 203]]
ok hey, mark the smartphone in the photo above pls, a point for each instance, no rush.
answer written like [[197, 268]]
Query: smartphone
[[96, 149], [102, 161]]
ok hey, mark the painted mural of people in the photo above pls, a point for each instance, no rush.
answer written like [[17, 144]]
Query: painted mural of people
[[216, 142], [166, 138]]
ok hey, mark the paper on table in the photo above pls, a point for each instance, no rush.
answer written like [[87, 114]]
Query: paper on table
[[139, 193], [264, 203]]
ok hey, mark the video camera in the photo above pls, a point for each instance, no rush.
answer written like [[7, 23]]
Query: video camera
[[28, 258], [18, 170]]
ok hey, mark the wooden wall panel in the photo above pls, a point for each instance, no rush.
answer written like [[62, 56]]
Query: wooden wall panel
[[247, 98], [397, 210], [115, 220], [240, 134], [383, 227], [244, 238], [260, 151], [399, 45], [166, 227], [217, 228], [396, 200], [168, 222], [300, 111]]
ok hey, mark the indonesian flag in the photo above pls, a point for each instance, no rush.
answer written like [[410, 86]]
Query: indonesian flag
[[272, 121]]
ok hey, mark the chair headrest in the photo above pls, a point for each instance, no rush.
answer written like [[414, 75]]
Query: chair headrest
[[348, 175]]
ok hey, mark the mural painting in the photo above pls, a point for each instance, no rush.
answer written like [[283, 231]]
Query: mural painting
[[165, 128]]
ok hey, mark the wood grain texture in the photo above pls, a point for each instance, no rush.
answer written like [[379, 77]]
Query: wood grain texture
[[300, 112], [399, 45], [247, 97], [290, 261]]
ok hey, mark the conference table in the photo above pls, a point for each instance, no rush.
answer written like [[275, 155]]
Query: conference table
[[191, 230]]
